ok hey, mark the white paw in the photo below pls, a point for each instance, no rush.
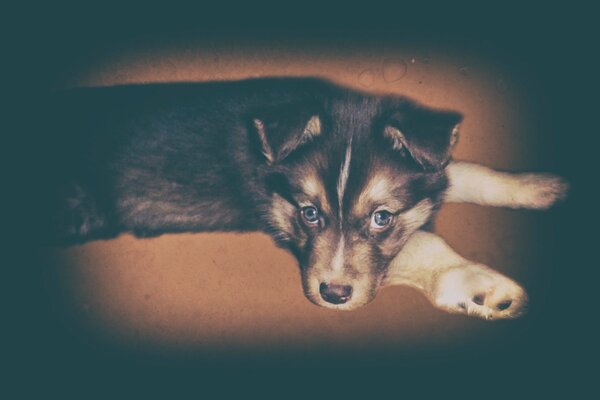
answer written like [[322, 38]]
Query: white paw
[[479, 291], [539, 191]]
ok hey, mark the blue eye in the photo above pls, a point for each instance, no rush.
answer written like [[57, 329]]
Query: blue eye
[[381, 219], [310, 215]]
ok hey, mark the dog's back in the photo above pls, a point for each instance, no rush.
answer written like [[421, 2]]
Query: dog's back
[[154, 158]]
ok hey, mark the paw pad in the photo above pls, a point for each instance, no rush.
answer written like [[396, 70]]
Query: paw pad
[[478, 299], [504, 305], [477, 290]]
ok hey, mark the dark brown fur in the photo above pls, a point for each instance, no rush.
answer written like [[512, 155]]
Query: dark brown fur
[[239, 156]]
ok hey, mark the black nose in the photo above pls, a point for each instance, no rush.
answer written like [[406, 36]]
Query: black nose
[[335, 294]]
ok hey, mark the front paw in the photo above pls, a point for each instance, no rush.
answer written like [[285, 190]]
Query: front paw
[[479, 291], [539, 191]]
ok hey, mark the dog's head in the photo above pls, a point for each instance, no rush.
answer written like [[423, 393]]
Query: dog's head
[[348, 183]]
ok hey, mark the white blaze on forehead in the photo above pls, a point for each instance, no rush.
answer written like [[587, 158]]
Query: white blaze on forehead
[[337, 263], [343, 178]]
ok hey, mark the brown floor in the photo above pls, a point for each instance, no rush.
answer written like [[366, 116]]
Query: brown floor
[[223, 291]]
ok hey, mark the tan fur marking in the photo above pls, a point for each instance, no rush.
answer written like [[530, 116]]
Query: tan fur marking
[[454, 135], [397, 138], [337, 264], [414, 218], [282, 213], [313, 128], [265, 147], [314, 189], [377, 191], [312, 186]]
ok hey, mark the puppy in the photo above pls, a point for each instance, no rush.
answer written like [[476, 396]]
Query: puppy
[[349, 182]]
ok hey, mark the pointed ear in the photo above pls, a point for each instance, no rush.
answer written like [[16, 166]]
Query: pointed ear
[[427, 135], [281, 131]]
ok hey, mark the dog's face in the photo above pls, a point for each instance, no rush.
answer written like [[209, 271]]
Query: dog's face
[[349, 185]]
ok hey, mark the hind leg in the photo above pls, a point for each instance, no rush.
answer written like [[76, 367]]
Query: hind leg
[[76, 217], [453, 283]]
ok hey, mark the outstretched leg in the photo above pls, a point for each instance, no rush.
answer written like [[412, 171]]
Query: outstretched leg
[[472, 183], [453, 283]]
